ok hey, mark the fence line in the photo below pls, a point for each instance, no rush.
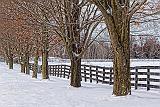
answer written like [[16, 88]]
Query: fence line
[[60, 60], [141, 76]]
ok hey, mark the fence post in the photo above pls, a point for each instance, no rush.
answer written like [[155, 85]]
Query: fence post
[[53, 70], [110, 77], [90, 70], [85, 78], [49, 70], [96, 74], [148, 79], [69, 72], [103, 75], [61, 67], [136, 79], [64, 73], [58, 71]]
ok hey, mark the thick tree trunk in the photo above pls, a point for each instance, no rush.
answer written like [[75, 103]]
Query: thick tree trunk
[[76, 73], [45, 50], [121, 67], [45, 74], [27, 64], [121, 64], [72, 41], [35, 68], [10, 57], [22, 63], [11, 61]]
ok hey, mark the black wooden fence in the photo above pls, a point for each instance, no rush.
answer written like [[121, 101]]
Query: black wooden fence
[[141, 76]]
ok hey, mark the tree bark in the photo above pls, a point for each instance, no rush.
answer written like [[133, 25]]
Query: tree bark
[[121, 68], [75, 73], [45, 74], [10, 57], [45, 49], [27, 64], [35, 68], [120, 40], [74, 42], [22, 63], [11, 61]]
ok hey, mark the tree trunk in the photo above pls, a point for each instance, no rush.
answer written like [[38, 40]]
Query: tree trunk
[[45, 74], [22, 63], [117, 15], [10, 57], [35, 68], [121, 68], [120, 41], [22, 68], [45, 50], [6, 59], [11, 61], [74, 45], [27, 64], [76, 73]]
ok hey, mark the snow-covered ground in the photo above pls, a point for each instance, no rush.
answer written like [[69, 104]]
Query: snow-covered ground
[[104, 62], [20, 90]]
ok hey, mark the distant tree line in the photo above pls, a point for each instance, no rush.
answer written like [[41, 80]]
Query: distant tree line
[[142, 47]]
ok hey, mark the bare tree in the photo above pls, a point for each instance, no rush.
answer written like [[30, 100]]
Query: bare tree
[[74, 22], [117, 14]]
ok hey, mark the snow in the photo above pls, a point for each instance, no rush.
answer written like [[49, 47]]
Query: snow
[[20, 90], [103, 62]]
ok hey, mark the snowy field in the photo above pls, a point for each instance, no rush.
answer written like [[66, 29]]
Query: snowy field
[[20, 90], [103, 62]]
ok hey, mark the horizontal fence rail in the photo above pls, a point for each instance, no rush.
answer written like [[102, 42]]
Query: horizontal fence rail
[[141, 76]]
